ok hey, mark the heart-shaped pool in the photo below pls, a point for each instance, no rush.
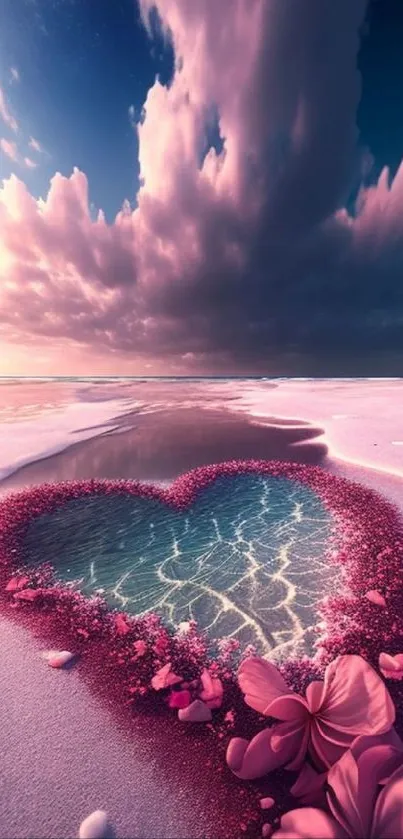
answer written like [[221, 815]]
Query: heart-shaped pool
[[245, 560]]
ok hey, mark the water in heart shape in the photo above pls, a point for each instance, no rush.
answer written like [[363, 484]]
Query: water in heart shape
[[246, 559]]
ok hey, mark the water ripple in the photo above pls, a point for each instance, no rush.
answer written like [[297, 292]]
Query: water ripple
[[245, 560]]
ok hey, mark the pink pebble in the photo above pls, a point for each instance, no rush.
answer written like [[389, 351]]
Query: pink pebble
[[266, 803], [267, 831]]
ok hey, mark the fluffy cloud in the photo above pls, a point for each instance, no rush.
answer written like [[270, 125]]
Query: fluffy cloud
[[238, 255]]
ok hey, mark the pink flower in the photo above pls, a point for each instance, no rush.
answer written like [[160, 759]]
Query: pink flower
[[391, 666], [351, 701], [140, 647], [356, 808], [212, 693], [164, 678]]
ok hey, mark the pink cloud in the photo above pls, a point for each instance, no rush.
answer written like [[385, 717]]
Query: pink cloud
[[9, 148], [5, 113], [30, 164], [235, 258]]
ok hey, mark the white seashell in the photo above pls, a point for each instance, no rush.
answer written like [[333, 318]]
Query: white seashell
[[94, 826], [197, 711]]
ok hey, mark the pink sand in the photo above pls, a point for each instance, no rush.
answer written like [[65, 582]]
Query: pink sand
[[362, 419], [63, 756]]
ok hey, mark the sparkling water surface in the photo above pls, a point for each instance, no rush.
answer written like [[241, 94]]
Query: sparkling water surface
[[246, 560]]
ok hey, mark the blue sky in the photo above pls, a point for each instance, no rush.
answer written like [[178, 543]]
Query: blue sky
[[82, 64]]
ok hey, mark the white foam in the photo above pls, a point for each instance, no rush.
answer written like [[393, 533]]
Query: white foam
[[53, 431]]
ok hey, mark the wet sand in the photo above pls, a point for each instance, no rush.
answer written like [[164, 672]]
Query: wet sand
[[161, 445]]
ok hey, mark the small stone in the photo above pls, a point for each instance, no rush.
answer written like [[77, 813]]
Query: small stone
[[197, 711], [94, 826], [267, 830], [58, 658]]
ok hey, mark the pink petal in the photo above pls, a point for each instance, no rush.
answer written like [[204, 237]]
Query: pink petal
[[314, 696], [387, 821], [261, 683], [343, 797], [355, 701], [391, 666], [254, 759], [290, 742], [389, 738], [29, 594], [376, 597], [16, 583], [164, 678], [309, 823], [197, 711], [289, 707], [310, 786], [213, 691]]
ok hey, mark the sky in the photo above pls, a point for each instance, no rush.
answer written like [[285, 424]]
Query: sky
[[201, 187]]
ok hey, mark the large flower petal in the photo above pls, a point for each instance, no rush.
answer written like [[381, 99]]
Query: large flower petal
[[261, 683], [309, 787], [290, 739], [343, 797], [254, 759], [314, 696], [309, 823], [387, 822], [288, 707], [271, 749], [389, 738], [355, 699], [327, 744]]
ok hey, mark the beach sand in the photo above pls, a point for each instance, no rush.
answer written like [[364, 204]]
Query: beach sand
[[63, 754]]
